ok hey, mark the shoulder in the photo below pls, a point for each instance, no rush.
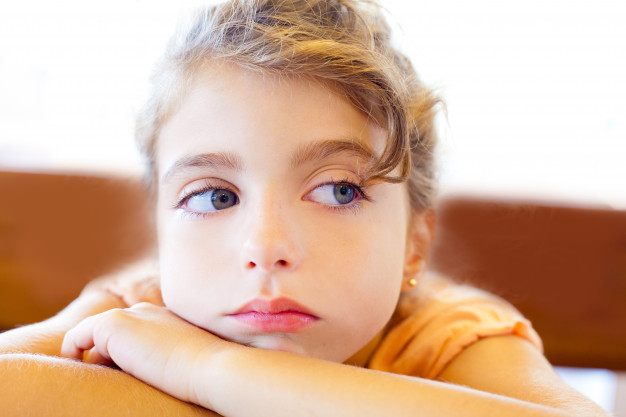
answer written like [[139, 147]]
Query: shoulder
[[513, 367], [437, 321], [462, 335]]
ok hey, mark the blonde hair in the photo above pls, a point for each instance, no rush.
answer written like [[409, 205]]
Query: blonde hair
[[344, 44]]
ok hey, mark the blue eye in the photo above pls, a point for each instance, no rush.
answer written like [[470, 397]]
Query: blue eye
[[212, 200], [335, 194]]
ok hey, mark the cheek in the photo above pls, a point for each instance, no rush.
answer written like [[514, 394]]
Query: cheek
[[383, 257], [190, 266], [177, 277], [380, 279], [366, 268]]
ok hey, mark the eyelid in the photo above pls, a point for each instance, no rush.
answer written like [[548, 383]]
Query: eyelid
[[359, 188], [207, 184]]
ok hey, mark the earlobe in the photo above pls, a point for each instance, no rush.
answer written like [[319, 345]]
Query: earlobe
[[419, 239], [412, 277]]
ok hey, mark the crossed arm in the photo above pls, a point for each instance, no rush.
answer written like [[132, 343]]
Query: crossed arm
[[193, 371], [50, 386], [35, 380]]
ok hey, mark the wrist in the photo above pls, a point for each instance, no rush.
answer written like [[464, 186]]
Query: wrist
[[89, 303], [210, 371], [39, 338]]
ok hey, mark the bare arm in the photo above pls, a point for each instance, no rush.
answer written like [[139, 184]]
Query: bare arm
[[46, 386], [34, 382], [133, 284], [502, 376], [46, 337], [517, 370]]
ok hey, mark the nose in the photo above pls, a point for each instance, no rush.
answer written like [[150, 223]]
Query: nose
[[270, 244]]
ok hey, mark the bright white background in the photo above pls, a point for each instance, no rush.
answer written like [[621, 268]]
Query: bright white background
[[536, 90]]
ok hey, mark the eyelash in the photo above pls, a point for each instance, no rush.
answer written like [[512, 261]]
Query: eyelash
[[354, 206], [204, 189]]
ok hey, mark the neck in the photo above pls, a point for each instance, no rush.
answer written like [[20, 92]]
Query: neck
[[361, 358]]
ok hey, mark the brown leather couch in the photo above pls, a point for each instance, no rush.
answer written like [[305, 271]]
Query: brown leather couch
[[563, 267]]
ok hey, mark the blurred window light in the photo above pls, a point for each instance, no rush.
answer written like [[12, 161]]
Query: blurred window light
[[535, 91]]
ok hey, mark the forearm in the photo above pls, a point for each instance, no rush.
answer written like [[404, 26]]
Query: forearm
[[43, 338], [509, 376], [278, 384], [39, 385], [46, 337]]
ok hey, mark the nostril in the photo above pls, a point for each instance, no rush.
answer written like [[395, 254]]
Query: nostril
[[279, 263]]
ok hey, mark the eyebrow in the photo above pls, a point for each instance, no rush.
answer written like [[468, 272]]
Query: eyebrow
[[219, 160], [315, 151], [324, 149]]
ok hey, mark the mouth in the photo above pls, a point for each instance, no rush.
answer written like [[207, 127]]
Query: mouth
[[280, 315]]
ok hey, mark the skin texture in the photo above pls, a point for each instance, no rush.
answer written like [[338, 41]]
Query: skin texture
[[35, 385], [46, 337], [284, 237]]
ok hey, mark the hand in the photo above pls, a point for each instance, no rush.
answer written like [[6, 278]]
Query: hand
[[45, 337], [136, 283], [87, 304], [149, 342]]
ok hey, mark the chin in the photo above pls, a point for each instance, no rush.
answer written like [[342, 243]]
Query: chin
[[278, 343]]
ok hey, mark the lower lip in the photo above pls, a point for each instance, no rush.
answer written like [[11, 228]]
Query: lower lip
[[283, 322]]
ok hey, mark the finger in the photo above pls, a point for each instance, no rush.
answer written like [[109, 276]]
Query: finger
[[94, 357], [137, 291], [120, 296], [152, 293], [79, 339]]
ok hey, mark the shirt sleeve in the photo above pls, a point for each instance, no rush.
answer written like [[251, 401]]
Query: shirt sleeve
[[437, 321]]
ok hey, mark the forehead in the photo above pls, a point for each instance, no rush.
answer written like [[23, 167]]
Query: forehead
[[228, 107]]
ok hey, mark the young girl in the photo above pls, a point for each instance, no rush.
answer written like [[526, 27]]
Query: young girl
[[290, 150]]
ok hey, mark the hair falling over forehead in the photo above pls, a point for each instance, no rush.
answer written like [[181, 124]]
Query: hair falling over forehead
[[343, 44]]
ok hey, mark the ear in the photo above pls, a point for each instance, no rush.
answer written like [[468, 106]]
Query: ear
[[420, 234]]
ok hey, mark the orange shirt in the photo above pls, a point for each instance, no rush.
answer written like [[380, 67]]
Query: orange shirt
[[436, 321]]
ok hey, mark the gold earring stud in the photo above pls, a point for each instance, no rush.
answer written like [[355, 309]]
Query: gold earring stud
[[412, 282]]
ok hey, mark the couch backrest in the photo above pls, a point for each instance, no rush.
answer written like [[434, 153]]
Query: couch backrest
[[59, 231], [563, 267]]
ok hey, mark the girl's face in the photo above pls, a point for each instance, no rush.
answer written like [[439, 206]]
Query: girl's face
[[267, 235]]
